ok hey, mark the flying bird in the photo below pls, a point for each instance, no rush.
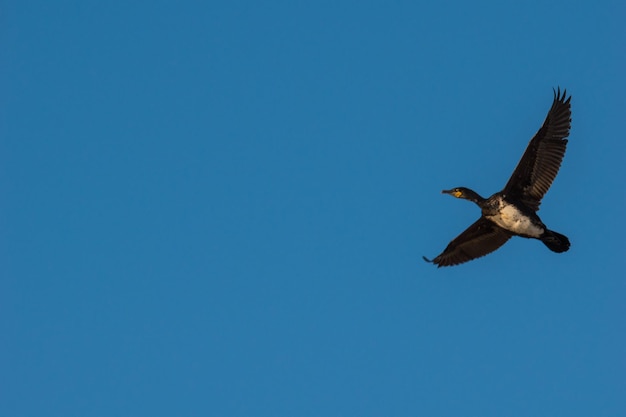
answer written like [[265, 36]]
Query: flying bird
[[513, 211]]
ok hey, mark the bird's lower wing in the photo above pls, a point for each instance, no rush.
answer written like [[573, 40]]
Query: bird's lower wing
[[480, 239]]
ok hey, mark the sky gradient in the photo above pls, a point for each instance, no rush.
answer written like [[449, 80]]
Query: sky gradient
[[220, 209]]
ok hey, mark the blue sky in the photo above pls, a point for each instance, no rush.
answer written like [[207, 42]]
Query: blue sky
[[220, 208]]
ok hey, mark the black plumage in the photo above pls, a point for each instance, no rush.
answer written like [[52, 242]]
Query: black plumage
[[512, 211]]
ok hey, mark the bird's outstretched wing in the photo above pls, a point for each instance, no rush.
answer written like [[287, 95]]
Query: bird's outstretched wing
[[481, 238], [541, 161]]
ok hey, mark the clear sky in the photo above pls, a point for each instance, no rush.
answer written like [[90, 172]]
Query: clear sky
[[219, 209]]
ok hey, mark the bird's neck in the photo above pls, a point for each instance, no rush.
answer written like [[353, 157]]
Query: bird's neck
[[473, 196]]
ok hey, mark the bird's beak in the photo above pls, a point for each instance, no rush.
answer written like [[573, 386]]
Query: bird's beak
[[453, 193]]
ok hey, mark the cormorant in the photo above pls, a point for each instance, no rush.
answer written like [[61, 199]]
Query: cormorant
[[512, 211]]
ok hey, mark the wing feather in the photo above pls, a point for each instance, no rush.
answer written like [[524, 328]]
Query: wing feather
[[480, 239], [541, 161]]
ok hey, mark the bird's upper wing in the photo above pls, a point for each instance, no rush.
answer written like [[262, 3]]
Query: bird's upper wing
[[542, 159], [481, 238]]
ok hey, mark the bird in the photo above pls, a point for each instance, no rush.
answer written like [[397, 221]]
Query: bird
[[513, 211]]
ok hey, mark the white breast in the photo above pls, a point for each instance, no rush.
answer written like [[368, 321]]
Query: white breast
[[510, 218]]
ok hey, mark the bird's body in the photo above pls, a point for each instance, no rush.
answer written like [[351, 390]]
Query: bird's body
[[513, 211], [513, 216], [510, 217]]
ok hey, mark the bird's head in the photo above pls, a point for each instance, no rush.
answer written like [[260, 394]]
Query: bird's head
[[464, 193]]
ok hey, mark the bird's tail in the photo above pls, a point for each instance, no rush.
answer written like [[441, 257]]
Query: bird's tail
[[556, 242]]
